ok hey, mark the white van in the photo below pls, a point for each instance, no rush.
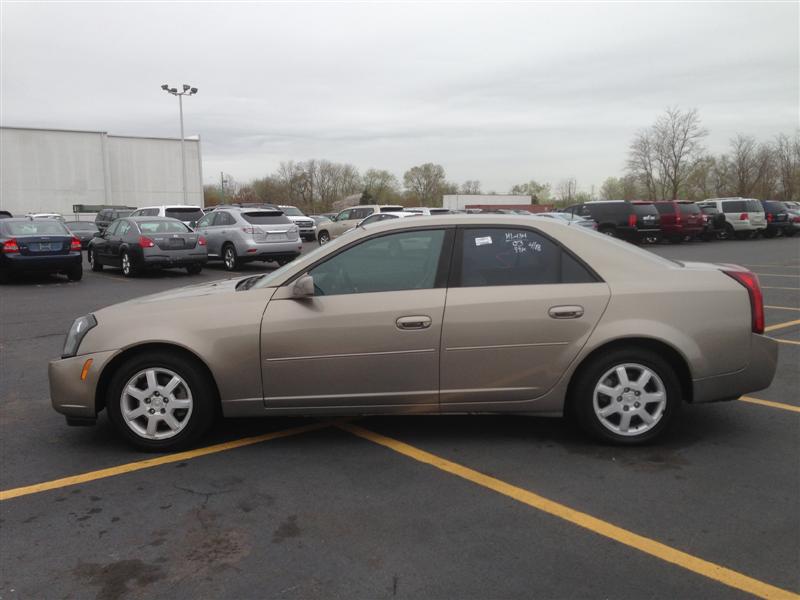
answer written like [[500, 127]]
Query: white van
[[189, 214], [744, 217]]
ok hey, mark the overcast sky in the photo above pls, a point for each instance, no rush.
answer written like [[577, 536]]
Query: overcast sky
[[502, 93]]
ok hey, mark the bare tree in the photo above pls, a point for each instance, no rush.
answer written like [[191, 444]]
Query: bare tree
[[567, 189], [642, 163], [750, 164], [471, 186], [787, 158], [425, 183], [539, 192]]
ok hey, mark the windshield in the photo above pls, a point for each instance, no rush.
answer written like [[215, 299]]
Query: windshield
[[81, 226], [37, 227], [162, 227], [184, 214], [266, 218], [292, 211], [645, 209]]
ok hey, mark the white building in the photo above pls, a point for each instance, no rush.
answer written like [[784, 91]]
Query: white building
[[460, 201], [50, 170]]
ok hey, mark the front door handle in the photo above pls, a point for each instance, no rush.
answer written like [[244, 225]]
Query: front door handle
[[414, 322], [566, 312]]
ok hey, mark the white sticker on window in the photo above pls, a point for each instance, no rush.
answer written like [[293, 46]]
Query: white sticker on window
[[482, 241]]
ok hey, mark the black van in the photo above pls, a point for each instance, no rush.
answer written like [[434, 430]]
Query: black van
[[619, 218]]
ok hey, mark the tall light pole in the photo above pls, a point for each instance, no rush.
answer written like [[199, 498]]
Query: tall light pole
[[187, 91]]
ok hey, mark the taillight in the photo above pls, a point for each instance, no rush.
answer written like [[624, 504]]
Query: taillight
[[146, 242], [743, 217], [770, 216], [750, 281], [74, 245], [250, 230], [10, 247], [632, 220], [796, 220], [201, 241]]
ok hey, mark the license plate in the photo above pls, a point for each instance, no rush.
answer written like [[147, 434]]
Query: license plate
[[276, 237], [176, 243], [44, 247]]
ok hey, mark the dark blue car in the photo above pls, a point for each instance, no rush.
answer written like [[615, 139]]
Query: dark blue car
[[38, 245]]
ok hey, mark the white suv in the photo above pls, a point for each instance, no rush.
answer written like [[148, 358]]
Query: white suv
[[187, 213], [307, 226], [744, 217]]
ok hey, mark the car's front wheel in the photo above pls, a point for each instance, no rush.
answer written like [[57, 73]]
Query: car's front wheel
[[626, 396], [92, 256], [160, 401], [324, 237]]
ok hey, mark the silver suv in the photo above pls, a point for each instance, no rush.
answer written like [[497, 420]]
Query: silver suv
[[238, 235]]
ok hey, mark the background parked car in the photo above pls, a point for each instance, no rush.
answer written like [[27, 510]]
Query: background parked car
[[83, 230], [189, 215], [648, 218], [569, 219], [239, 235], [794, 222], [386, 216], [41, 245], [108, 215], [616, 218], [680, 220], [424, 210], [320, 219], [713, 223], [349, 218], [137, 243], [306, 225], [777, 218], [744, 217], [56, 216], [4, 214]]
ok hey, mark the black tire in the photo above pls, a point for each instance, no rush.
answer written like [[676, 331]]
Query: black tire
[[581, 400], [230, 259], [204, 400], [676, 239], [770, 233], [96, 266], [5, 276], [729, 232], [743, 235], [75, 273], [194, 269], [323, 237], [128, 266], [609, 231]]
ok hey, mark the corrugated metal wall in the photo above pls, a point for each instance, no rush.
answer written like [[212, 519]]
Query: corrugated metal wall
[[43, 170]]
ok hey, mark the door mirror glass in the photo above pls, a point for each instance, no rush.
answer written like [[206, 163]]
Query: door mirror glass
[[303, 287]]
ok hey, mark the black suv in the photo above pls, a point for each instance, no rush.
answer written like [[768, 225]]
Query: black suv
[[777, 218], [618, 218], [713, 223], [107, 215]]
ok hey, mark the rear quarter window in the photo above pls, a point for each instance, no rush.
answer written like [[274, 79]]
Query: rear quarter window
[[266, 218], [734, 206]]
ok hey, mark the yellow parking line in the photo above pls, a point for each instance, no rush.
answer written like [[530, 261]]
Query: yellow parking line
[[782, 308], [786, 341], [649, 546], [770, 403], [155, 462], [782, 325]]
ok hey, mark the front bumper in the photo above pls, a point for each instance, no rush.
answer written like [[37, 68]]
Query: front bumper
[[757, 375], [71, 396]]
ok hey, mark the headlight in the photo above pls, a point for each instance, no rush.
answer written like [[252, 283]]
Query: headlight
[[79, 328]]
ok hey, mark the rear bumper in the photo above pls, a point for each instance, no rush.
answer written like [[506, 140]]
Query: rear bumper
[[69, 395], [269, 250], [756, 376], [19, 262], [153, 258]]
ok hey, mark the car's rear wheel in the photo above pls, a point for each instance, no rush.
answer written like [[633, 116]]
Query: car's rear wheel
[[743, 235], [229, 257], [627, 396], [75, 273], [323, 237], [194, 269], [161, 401], [96, 266], [128, 268]]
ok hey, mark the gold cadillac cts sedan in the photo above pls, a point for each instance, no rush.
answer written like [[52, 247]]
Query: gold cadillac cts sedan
[[442, 314]]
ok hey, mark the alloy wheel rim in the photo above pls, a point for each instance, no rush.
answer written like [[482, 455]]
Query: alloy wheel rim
[[126, 264], [323, 239], [629, 399], [228, 258], [156, 403]]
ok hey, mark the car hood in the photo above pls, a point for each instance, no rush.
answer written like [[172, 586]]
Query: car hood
[[212, 288]]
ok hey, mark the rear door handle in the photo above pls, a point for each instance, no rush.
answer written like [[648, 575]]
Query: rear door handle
[[566, 312], [414, 322]]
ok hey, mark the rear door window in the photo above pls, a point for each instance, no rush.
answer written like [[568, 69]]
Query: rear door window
[[734, 206], [511, 256], [224, 218]]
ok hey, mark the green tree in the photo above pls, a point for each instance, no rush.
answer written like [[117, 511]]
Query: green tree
[[425, 182]]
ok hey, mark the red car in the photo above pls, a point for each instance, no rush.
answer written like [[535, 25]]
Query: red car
[[680, 220]]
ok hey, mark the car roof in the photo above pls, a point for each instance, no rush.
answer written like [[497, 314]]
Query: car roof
[[169, 206], [140, 218]]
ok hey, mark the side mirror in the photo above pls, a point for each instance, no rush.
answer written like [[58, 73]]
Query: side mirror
[[303, 287]]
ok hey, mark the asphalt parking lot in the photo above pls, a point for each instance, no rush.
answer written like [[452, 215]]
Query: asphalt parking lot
[[400, 507]]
